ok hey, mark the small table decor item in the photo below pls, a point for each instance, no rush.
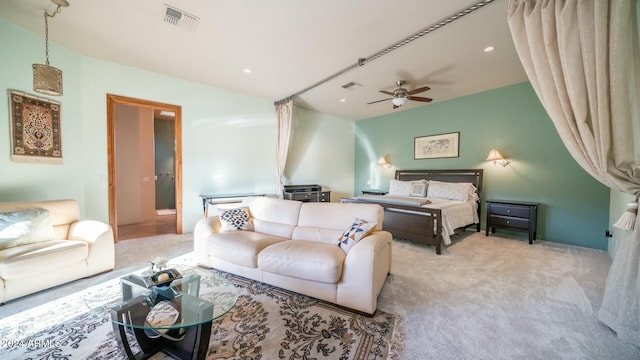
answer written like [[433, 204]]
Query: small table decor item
[[35, 129]]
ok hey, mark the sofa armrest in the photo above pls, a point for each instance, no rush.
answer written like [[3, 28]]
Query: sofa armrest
[[366, 267], [207, 226], [204, 227], [99, 236]]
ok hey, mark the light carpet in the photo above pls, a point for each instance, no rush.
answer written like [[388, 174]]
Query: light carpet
[[493, 297], [485, 298], [265, 323]]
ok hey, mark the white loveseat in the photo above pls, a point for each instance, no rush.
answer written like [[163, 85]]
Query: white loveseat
[[294, 245], [80, 248]]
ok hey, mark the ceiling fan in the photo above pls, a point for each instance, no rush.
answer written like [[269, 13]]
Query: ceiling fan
[[401, 95]]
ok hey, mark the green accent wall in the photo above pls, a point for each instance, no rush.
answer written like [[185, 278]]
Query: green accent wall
[[574, 206]]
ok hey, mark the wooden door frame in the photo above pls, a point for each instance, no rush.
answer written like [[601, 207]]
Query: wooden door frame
[[112, 100]]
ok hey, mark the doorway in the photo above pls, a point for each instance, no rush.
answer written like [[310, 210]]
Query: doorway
[[134, 171]]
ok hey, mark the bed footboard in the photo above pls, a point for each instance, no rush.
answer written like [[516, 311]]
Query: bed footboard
[[413, 223]]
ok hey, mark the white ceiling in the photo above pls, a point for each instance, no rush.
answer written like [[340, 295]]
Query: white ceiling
[[292, 44]]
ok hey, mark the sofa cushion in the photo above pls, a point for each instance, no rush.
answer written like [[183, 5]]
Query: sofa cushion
[[240, 247], [308, 260], [358, 229], [19, 228], [235, 219], [322, 235], [271, 216], [61, 212], [333, 219], [40, 258]]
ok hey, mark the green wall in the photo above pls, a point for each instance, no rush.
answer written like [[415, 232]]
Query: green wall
[[574, 207], [228, 138]]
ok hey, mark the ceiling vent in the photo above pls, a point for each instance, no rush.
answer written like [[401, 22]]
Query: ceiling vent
[[181, 19], [351, 85]]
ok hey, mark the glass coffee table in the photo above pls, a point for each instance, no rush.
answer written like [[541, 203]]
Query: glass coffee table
[[171, 314]]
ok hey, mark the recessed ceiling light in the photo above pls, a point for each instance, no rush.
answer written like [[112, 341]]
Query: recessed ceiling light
[[489, 49], [247, 71], [343, 100]]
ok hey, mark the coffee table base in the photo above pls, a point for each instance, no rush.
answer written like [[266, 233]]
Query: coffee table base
[[186, 343]]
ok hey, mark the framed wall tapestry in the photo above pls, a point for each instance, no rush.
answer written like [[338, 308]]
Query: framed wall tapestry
[[35, 129], [437, 146]]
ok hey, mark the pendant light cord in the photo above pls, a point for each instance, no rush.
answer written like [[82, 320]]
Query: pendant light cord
[[46, 31]]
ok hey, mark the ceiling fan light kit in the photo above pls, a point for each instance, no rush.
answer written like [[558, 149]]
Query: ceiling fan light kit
[[401, 95]]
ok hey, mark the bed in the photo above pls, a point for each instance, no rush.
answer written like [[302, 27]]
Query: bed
[[430, 217]]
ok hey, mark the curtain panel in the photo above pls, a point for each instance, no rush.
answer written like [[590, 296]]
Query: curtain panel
[[284, 114], [581, 57]]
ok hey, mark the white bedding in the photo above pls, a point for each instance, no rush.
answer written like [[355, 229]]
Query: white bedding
[[455, 213]]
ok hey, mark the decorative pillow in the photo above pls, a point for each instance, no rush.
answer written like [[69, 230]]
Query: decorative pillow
[[451, 190], [399, 188], [359, 229], [419, 188], [236, 219], [25, 227]]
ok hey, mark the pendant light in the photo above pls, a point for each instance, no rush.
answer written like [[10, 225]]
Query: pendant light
[[48, 79]]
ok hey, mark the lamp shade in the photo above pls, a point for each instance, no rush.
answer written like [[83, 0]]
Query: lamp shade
[[398, 101], [47, 79], [494, 155]]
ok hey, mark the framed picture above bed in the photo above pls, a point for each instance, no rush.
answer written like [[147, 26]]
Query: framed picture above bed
[[437, 146]]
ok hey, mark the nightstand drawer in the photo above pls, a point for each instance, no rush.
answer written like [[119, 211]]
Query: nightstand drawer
[[325, 196], [512, 215], [303, 197], [510, 210], [511, 222]]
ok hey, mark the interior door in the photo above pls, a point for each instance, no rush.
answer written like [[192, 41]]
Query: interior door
[[164, 164]]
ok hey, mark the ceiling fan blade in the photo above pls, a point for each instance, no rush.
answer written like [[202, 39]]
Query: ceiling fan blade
[[377, 101], [419, 98], [419, 90], [386, 92]]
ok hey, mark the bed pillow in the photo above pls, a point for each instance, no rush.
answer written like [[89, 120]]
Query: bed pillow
[[451, 190], [358, 229], [25, 227], [408, 188], [399, 188], [419, 188], [236, 219]]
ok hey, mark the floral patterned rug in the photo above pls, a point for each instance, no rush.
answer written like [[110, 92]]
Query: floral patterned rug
[[266, 323]]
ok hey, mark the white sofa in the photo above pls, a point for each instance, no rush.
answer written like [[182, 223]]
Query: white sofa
[[294, 246], [81, 248]]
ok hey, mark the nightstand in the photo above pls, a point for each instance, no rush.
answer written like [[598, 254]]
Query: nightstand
[[374, 192], [512, 215]]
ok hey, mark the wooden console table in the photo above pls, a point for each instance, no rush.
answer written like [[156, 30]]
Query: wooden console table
[[214, 199]]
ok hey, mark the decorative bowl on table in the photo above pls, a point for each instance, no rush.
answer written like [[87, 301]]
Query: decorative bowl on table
[[164, 278]]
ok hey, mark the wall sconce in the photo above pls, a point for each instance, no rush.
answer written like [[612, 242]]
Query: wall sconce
[[383, 162], [497, 158], [48, 79]]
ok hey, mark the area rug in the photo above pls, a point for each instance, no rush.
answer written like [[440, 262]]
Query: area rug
[[266, 323]]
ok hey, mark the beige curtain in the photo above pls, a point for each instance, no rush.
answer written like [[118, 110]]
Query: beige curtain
[[284, 112], [582, 58]]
